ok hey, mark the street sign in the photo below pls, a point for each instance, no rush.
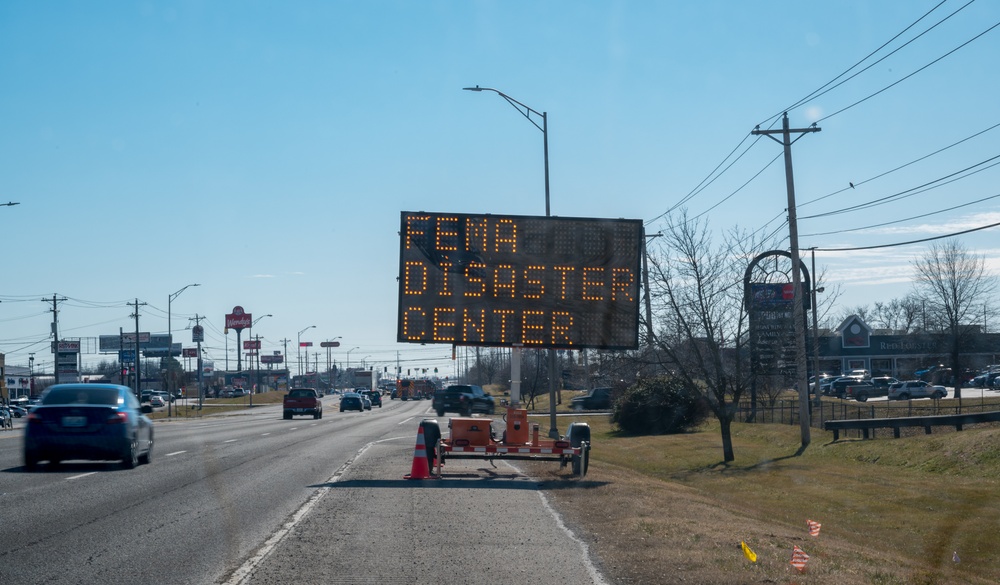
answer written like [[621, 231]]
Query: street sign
[[251, 344], [126, 356], [330, 344]]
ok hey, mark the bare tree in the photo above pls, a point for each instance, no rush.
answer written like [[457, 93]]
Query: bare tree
[[701, 319], [953, 285], [898, 315]]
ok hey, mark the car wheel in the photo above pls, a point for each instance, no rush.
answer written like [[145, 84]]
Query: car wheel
[[287, 416], [131, 457], [147, 457], [939, 395], [904, 396], [492, 409], [30, 461], [440, 412], [862, 397], [467, 411], [578, 407]]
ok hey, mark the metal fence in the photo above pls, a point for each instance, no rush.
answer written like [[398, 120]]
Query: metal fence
[[787, 411]]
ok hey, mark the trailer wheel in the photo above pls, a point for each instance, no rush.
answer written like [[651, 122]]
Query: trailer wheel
[[432, 436], [579, 437]]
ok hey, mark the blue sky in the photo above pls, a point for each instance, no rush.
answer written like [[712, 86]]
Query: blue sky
[[265, 149]]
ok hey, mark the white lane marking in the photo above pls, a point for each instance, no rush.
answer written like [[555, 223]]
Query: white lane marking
[[174, 453], [231, 441], [294, 429], [584, 549], [241, 574], [265, 434], [81, 475], [405, 421]]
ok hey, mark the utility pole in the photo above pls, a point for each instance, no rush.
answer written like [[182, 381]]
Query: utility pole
[[798, 308], [55, 333], [138, 362]]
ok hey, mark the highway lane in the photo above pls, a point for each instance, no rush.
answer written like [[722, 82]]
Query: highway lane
[[216, 489]]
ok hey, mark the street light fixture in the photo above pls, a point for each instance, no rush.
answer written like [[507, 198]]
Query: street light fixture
[[300, 345], [349, 356], [363, 363], [526, 112], [170, 343], [516, 351]]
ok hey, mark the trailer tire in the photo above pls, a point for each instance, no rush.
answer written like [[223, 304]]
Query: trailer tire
[[579, 434], [432, 436]]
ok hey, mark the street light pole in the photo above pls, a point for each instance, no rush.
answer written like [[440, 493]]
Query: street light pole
[[516, 351], [300, 345], [349, 357], [170, 344]]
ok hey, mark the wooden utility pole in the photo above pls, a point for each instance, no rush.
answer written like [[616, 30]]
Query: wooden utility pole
[[802, 371]]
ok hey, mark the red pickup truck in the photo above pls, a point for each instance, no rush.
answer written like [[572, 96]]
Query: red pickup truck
[[302, 401]]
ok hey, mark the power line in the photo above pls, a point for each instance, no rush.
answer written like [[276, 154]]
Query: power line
[[903, 220], [911, 191], [968, 231], [897, 82], [820, 91], [903, 166]]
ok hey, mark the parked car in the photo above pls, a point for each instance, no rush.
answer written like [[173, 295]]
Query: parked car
[[88, 421], [351, 401], [463, 398], [17, 411], [164, 395], [596, 399], [862, 391], [157, 401], [839, 386], [238, 392], [916, 389]]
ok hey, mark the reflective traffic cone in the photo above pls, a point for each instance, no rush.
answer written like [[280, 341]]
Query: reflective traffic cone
[[420, 468]]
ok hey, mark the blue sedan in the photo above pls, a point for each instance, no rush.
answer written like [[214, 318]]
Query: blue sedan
[[88, 421]]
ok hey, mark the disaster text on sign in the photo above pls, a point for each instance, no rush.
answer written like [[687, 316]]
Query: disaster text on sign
[[500, 280]]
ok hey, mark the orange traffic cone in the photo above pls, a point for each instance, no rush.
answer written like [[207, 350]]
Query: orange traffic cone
[[420, 468]]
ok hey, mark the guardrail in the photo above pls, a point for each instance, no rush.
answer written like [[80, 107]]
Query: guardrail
[[896, 423]]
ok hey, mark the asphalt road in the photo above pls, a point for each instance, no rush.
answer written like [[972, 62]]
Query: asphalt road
[[251, 498]]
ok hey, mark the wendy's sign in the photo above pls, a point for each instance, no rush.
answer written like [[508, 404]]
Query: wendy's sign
[[238, 319]]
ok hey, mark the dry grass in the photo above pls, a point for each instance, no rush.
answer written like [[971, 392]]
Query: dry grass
[[220, 405], [894, 511]]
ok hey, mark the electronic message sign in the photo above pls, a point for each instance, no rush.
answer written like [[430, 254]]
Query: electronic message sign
[[502, 280]]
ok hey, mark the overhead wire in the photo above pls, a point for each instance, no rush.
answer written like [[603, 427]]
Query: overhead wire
[[900, 167], [911, 191], [825, 89], [907, 243], [904, 78], [922, 215]]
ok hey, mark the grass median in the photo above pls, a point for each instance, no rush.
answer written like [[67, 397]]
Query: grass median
[[218, 405], [921, 509]]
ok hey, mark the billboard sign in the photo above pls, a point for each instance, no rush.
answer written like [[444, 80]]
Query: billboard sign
[[272, 359], [329, 344], [772, 328], [501, 280], [239, 319], [251, 344], [190, 352], [197, 334]]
